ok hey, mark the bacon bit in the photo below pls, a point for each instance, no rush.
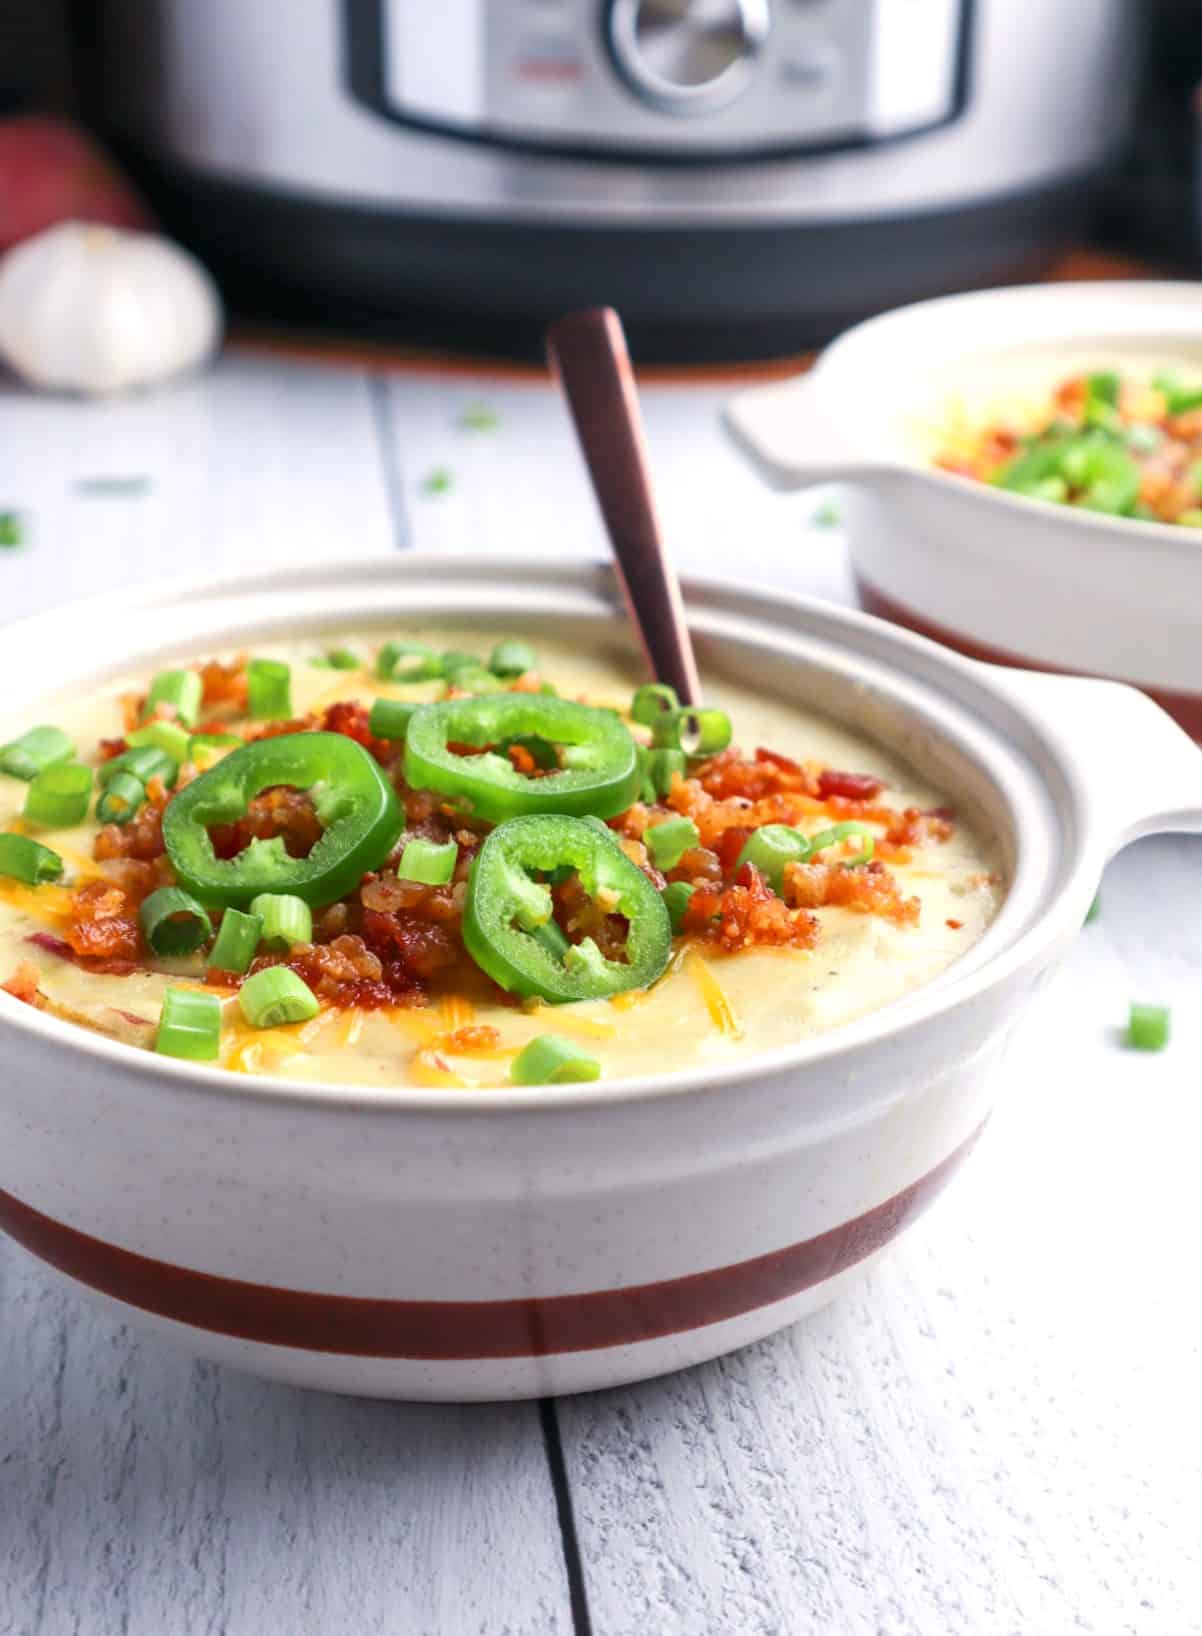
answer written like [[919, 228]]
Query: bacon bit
[[867, 889], [746, 914], [728, 777], [141, 838], [104, 927], [131, 710], [522, 761], [479, 1040], [728, 846], [716, 1003], [909, 829], [529, 682], [848, 786], [785, 763], [23, 984], [110, 747], [956, 925], [352, 721], [282, 811], [700, 864], [225, 685]]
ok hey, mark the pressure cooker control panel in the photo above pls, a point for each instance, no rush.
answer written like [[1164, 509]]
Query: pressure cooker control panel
[[671, 78]]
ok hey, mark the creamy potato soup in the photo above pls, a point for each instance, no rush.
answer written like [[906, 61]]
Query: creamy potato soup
[[444, 859]]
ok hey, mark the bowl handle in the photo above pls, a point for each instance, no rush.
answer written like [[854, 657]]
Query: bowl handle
[[788, 436], [1140, 770]]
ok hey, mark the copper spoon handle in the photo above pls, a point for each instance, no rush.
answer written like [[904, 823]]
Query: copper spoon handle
[[587, 350]]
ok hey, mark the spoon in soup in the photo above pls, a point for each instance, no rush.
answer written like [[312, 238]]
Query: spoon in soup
[[588, 354]]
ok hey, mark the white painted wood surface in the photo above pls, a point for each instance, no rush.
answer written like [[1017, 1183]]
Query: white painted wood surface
[[997, 1435]]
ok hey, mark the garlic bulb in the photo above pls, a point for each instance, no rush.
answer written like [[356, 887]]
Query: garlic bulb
[[93, 309]]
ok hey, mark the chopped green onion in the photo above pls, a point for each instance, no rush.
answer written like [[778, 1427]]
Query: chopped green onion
[[660, 766], [512, 659], [676, 897], [269, 689], [651, 702], [34, 751], [1054, 489], [143, 763], [1102, 400], [189, 1025], [408, 662], [58, 798], [173, 922], [338, 659], [286, 920], [11, 532], [275, 996], [827, 516], [1182, 400], [455, 659], [552, 1060], [115, 484], [475, 679], [181, 690], [120, 798], [438, 481], [841, 832], [770, 848], [696, 732], [428, 862], [478, 417], [29, 861], [1094, 909], [390, 718], [237, 939], [669, 841], [167, 736], [1148, 1027]]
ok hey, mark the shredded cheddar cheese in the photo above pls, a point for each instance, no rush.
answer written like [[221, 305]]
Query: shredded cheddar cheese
[[719, 1007]]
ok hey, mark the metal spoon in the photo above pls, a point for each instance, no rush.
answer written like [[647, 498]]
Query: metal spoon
[[587, 351]]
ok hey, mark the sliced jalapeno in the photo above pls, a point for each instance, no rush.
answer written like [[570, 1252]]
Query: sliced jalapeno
[[597, 772], [355, 803], [507, 923]]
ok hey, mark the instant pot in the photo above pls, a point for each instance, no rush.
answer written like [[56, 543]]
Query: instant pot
[[744, 173]]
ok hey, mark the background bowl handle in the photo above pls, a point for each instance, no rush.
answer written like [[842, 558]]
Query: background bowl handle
[[789, 437], [1140, 772]]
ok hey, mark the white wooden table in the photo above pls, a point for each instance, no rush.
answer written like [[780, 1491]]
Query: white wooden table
[[999, 1433]]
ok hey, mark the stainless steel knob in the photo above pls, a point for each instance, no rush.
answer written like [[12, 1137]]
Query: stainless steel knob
[[688, 56]]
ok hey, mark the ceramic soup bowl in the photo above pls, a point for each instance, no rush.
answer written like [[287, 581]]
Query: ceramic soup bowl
[[439, 1244], [995, 574]]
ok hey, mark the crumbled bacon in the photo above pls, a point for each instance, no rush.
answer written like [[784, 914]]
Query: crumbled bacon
[[110, 747], [868, 889], [910, 829], [473, 1037], [23, 984], [224, 685], [728, 777], [282, 811], [104, 927], [353, 721], [848, 786], [747, 914], [141, 838]]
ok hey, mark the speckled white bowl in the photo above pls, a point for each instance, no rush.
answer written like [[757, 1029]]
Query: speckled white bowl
[[456, 1245], [994, 574]]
